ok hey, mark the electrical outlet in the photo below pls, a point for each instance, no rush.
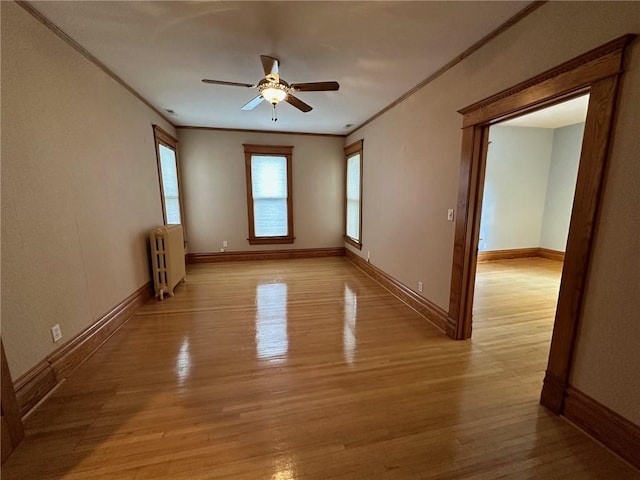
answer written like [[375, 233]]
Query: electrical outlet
[[420, 286], [56, 332], [225, 244], [450, 214]]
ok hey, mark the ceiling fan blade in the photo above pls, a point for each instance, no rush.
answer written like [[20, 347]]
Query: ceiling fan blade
[[231, 84], [299, 104], [251, 104], [270, 65], [315, 86]]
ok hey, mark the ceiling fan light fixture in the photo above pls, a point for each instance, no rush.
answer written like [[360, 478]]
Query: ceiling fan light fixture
[[273, 93], [275, 90]]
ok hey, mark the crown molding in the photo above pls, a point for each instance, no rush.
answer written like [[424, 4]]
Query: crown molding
[[71, 42], [453, 62]]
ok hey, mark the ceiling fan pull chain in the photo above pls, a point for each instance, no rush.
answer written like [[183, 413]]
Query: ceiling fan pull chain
[[274, 114]]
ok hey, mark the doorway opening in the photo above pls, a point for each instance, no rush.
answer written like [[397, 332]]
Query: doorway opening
[[598, 73], [528, 189]]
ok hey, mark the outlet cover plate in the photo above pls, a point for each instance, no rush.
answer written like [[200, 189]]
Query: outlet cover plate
[[56, 332]]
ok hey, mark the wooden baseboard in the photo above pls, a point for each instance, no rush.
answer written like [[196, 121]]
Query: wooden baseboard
[[492, 255], [36, 383], [606, 426], [264, 255], [436, 315], [551, 254]]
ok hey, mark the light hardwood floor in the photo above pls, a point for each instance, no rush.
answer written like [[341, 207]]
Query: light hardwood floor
[[307, 369]]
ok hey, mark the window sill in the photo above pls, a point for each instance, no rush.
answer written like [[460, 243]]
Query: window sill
[[352, 242], [271, 240]]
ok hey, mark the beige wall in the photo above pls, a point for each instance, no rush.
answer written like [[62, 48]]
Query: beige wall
[[79, 190], [215, 195], [411, 162]]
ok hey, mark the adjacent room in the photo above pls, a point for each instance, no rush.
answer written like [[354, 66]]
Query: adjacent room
[[295, 240], [529, 185]]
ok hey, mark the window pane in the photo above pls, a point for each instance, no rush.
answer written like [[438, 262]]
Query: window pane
[[172, 208], [353, 177], [353, 219], [353, 197], [269, 187], [270, 217], [269, 177], [169, 171]]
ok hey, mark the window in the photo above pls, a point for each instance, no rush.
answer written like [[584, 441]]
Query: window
[[353, 194], [269, 194], [166, 148]]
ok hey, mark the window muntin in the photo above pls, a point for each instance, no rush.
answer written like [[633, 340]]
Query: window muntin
[[269, 194], [353, 194]]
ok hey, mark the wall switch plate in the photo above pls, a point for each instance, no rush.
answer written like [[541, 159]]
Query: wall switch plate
[[56, 332], [419, 286], [450, 214], [225, 244]]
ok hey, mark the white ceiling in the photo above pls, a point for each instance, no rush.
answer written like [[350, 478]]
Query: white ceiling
[[560, 115], [377, 51]]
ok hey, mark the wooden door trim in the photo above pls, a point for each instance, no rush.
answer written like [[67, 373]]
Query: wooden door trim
[[12, 430], [579, 72], [597, 72], [463, 279], [591, 172]]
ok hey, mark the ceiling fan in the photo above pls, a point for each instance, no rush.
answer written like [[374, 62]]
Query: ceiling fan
[[275, 90]]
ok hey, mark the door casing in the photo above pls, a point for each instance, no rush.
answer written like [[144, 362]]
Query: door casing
[[596, 72]]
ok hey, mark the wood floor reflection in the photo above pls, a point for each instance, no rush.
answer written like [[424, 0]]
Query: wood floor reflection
[[307, 369]]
